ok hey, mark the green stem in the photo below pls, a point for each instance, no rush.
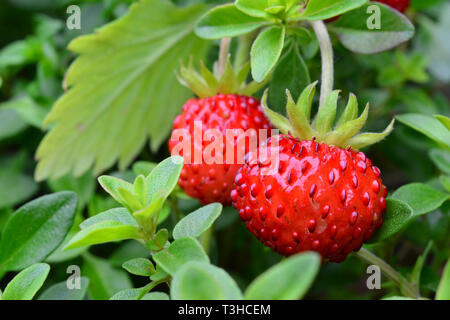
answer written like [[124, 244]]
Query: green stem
[[409, 289], [243, 49], [326, 51], [223, 55]]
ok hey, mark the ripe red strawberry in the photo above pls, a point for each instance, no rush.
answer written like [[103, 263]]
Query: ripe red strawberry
[[212, 182], [400, 5], [325, 196]]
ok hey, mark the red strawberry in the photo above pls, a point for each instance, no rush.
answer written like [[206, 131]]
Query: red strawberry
[[212, 182], [325, 195], [400, 5]]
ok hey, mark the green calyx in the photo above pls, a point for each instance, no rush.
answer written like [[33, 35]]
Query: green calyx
[[344, 133], [207, 84]]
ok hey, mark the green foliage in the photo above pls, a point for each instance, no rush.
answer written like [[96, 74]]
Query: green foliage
[[288, 280], [111, 62], [25, 285], [197, 222], [394, 29], [179, 253], [121, 90], [47, 221], [266, 51], [60, 291], [321, 10], [201, 281]]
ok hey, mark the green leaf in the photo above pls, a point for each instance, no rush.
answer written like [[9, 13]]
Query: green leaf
[[428, 126], [254, 8], [202, 281], [105, 281], [398, 214], [112, 186], [25, 285], [140, 267], [124, 82], [418, 267], [445, 120], [46, 220], [288, 280], [420, 197], [443, 292], [120, 215], [164, 177], [352, 29], [266, 51], [197, 222], [226, 21], [155, 296], [159, 241], [59, 254], [131, 294], [290, 73], [441, 159], [325, 9], [105, 231], [60, 291], [178, 253]]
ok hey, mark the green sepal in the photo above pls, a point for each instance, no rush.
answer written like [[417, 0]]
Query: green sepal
[[327, 114], [348, 129], [276, 119], [207, 84], [305, 100], [350, 111], [298, 119], [368, 138]]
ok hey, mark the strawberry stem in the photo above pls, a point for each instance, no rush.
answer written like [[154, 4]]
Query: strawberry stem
[[406, 287], [224, 51], [326, 51]]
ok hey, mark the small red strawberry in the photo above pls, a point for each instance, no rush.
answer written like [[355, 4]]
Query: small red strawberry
[[400, 5], [325, 195], [223, 104]]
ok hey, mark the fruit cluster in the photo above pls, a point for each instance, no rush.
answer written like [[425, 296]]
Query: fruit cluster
[[324, 194]]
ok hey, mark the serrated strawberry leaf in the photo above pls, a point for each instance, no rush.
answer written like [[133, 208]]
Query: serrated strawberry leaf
[[122, 89]]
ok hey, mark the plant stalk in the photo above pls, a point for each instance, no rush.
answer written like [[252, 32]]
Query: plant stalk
[[224, 51], [409, 289], [326, 51], [243, 49]]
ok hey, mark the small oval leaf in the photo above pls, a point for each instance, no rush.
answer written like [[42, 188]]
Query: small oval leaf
[[25, 285], [202, 281], [197, 222], [288, 280]]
